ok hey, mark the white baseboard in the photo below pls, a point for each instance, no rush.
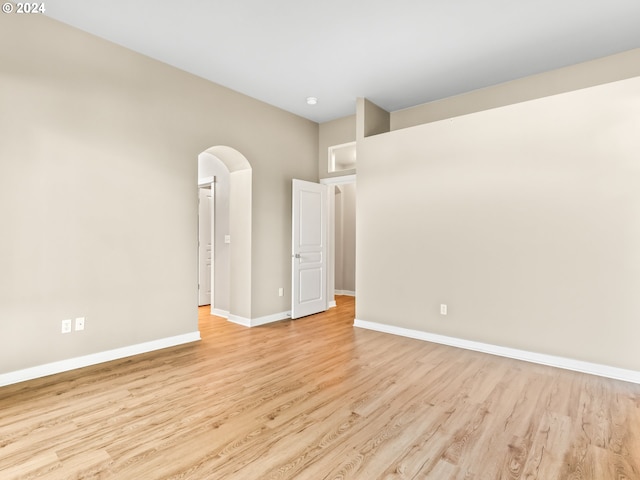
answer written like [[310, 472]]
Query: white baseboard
[[332, 304], [631, 376], [349, 293], [220, 313], [245, 322], [95, 358], [256, 322]]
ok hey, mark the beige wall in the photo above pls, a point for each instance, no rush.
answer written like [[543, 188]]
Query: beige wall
[[98, 192], [345, 237], [523, 219], [574, 77], [371, 119]]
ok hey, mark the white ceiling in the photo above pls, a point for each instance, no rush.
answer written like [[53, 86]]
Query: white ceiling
[[396, 53]]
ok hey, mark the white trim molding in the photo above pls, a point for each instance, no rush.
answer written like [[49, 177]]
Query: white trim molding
[[256, 322], [339, 180], [220, 313], [238, 320], [348, 293], [616, 373], [95, 358], [204, 181]]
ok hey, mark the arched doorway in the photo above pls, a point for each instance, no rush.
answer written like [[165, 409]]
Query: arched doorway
[[231, 175]]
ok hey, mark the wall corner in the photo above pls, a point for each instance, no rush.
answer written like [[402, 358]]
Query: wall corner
[[371, 119]]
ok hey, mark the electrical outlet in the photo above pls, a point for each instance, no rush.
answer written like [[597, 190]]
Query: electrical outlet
[[281, 292], [66, 326], [79, 324], [443, 309]]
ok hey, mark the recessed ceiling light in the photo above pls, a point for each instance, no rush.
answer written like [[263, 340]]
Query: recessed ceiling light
[[312, 100]]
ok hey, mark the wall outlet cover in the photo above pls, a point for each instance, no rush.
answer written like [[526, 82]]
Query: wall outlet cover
[[66, 326]]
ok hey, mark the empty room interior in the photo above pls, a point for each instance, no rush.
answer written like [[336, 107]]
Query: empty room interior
[[468, 171]]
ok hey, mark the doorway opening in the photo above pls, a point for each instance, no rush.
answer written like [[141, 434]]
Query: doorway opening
[[229, 175], [345, 239], [341, 273], [206, 222]]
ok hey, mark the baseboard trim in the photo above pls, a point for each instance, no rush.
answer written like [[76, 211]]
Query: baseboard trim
[[616, 373], [238, 320], [348, 293], [95, 358], [256, 322], [332, 304], [220, 313]]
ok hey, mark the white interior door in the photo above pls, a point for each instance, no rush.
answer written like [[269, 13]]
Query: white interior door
[[205, 245], [309, 249]]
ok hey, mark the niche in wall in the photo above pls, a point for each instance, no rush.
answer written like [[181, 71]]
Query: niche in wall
[[342, 157]]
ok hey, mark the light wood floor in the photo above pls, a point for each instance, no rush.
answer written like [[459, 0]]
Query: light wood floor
[[317, 399]]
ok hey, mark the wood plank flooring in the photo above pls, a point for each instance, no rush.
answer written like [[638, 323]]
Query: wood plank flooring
[[315, 399]]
